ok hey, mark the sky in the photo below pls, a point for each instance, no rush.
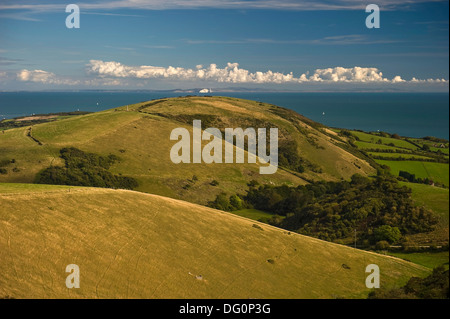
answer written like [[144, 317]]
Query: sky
[[321, 45]]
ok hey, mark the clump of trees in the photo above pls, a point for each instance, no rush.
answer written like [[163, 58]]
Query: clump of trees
[[435, 286], [289, 158], [228, 203], [378, 209], [85, 169]]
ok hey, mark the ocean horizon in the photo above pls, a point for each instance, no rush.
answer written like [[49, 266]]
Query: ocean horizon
[[407, 114]]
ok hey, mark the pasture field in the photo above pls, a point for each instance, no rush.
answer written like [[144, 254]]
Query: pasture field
[[370, 138], [437, 200], [437, 172], [428, 259], [434, 198]]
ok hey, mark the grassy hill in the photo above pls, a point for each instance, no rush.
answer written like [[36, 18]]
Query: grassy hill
[[139, 135], [134, 245]]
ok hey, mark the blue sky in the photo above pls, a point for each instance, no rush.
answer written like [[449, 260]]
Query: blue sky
[[279, 45]]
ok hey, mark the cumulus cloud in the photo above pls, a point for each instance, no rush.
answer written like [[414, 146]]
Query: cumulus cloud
[[414, 80], [232, 73], [355, 74], [41, 76], [117, 74], [45, 77]]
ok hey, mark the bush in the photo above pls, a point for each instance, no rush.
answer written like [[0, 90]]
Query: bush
[[3, 171], [214, 183], [253, 183], [236, 202], [408, 176], [382, 245], [387, 233], [358, 179], [257, 227], [221, 202], [4, 163]]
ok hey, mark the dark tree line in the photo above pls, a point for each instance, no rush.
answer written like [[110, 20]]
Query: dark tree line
[[378, 209]]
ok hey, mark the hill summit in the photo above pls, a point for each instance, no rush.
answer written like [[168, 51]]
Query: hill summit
[[138, 136]]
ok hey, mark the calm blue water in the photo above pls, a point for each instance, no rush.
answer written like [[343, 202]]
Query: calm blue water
[[407, 114]]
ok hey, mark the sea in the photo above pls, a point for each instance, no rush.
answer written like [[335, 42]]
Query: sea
[[407, 114]]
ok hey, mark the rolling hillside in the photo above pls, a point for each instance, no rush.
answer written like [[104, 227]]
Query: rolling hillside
[[139, 135], [134, 245]]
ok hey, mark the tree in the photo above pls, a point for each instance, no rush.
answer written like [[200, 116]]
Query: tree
[[214, 183], [358, 179], [382, 245], [235, 202], [387, 233], [221, 202], [410, 177]]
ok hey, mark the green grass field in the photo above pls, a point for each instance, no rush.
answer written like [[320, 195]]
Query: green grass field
[[427, 259], [370, 138], [437, 200], [437, 172], [443, 150], [434, 198], [134, 245]]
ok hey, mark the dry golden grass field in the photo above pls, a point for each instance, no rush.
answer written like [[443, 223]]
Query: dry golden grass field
[[135, 245]]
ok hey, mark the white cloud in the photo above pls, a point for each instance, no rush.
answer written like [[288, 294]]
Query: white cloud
[[40, 76], [397, 79], [44, 77], [355, 74], [232, 73], [414, 80], [116, 74]]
